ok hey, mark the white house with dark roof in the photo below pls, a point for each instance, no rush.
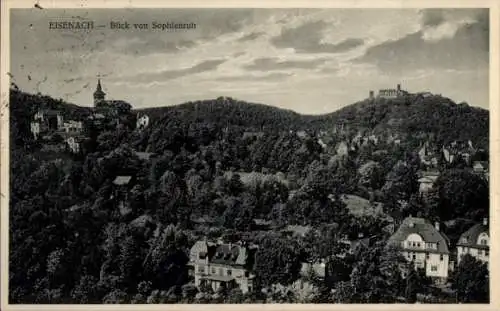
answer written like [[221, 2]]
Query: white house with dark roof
[[475, 242], [425, 245], [427, 181], [222, 264]]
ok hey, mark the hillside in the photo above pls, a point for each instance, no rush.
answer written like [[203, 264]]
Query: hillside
[[435, 115], [89, 239], [413, 116], [447, 120]]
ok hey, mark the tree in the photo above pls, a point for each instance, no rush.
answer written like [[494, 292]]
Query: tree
[[277, 261], [471, 281], [376, 277], [459, 190], [370, 175]]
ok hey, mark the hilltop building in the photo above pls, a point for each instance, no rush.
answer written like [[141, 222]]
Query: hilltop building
[[425, 246], [392, 93], [142, 121], [46, 120], [99, 95]]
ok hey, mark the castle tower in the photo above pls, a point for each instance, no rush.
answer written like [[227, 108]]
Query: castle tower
[[371, 95], [98, 94]]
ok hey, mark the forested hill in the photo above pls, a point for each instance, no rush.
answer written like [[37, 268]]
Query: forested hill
[[226, 111], [414, 115], [435, 115]]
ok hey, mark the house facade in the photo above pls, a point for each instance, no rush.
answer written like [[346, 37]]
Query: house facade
[[475, 242], [142, 121], [222, 264], [425, 245]]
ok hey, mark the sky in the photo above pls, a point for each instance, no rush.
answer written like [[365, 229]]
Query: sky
[[312, 61]]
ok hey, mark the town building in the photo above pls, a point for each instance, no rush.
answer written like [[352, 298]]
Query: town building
[[142, 121], [223, 264], [480, 167], [72, 127], [427, 180], [75, 144], [46, 120], [425, 245], [475, 242], [121, 189]]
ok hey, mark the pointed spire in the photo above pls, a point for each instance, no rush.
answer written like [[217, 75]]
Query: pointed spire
[[99, 88], [99, 95]]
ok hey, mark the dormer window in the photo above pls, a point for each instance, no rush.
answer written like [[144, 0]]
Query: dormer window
[[464, 240]]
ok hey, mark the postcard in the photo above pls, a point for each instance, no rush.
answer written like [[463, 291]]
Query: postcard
[[267, 154]]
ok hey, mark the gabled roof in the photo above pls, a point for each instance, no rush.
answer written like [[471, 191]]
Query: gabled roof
[[222, 254], [423, 228], [144, 155], [480, 163], [122, 180], [428, 179], [472, 234]]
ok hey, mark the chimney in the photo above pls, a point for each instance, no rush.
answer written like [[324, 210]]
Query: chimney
[[371, 94], [436, 225], [399, 88], [485, 221]]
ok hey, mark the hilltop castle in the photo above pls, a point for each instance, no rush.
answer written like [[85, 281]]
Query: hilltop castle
[[389, 93]]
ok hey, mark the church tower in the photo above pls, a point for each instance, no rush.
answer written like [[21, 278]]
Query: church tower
[[98, 94]]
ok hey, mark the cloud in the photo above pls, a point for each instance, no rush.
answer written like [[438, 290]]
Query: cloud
[[460, 41], [266, 64], [205, 66], [251, 36], [307, 38], [269, 77], [432, 17]]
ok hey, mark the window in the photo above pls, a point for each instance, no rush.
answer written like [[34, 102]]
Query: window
[[486, 252], [247, 274], [201, 269], [414, 256], [418, 244], [441, 257], [484, 242], [213, 270], [229, 272], [221, 272], [480, 252], [427, 256], [434, 268]]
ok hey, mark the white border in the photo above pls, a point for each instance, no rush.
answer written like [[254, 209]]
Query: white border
[[493, 5]]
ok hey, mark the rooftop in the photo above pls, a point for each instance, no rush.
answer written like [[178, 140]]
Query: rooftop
[[469, 237], [122, 180], [423, 228]]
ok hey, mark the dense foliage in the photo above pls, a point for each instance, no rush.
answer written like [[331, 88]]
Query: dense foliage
[[75, 237]]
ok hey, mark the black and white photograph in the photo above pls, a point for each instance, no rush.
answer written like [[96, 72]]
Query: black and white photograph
[[235, 155]]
